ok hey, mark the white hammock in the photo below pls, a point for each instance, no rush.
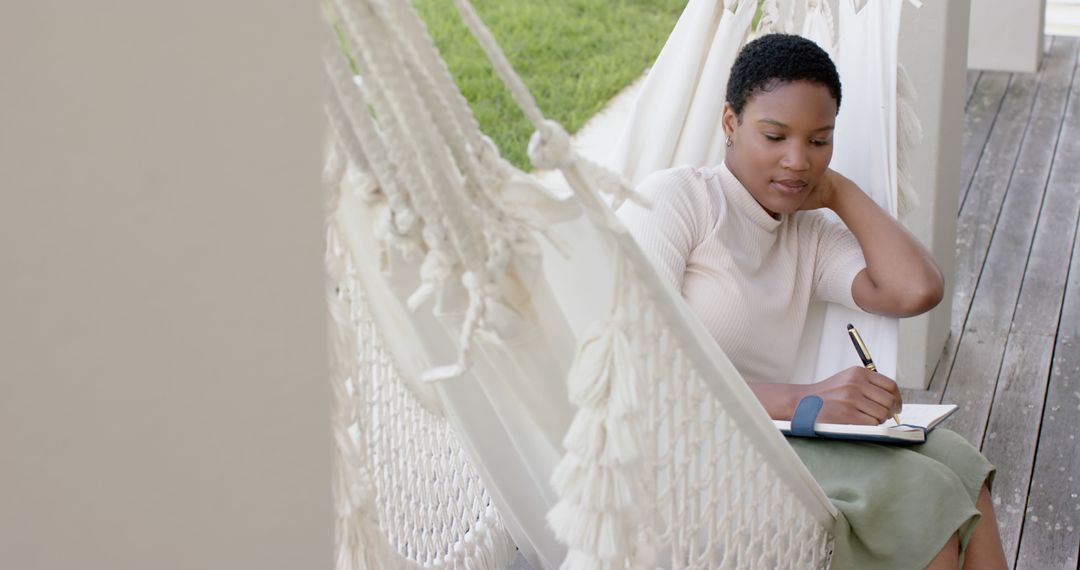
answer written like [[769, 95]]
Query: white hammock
[[464, 416]]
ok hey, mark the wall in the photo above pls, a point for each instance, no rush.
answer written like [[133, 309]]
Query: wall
[[1006, 36], [163, 392]]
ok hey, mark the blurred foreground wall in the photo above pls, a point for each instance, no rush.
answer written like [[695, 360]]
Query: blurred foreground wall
[[163, 392]]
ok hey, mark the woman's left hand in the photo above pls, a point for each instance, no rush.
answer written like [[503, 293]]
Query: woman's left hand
[[822, 193]]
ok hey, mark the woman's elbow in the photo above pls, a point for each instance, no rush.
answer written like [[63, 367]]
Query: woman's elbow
[[920, 299], [899, 297]]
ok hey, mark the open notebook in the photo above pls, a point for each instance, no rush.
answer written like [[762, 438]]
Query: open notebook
[[916, 420]]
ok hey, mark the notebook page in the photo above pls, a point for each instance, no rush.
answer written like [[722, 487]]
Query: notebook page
[[924, 415]]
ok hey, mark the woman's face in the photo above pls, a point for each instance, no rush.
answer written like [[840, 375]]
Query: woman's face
[[782, 146]]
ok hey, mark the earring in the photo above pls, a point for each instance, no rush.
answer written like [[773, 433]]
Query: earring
[[730, 143]]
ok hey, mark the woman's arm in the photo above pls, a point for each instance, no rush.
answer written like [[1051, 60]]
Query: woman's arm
[[676, 223], [901, 278]]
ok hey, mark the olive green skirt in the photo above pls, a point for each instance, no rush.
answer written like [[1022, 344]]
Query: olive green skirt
[[899, 504]]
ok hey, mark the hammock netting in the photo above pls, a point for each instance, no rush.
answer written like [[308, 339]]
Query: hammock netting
[[509, 371]]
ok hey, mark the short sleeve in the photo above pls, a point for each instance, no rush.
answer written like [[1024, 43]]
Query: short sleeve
[[677, 222], [838, 260]]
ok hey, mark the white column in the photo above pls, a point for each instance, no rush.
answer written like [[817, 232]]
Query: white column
[[1006, 35], [933, 49], [163, 386]]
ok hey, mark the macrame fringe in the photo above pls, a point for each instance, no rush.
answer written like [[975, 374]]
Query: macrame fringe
[[789, 22], [360, 544], [594, 487], [333, 173], [596, 516], [818, 25], [769, 22], [909, 135], [593, 380], [603, 436]]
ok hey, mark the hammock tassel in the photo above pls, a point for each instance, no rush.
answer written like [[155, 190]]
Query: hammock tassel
[[770, 18], [819, 26], [908, 135], [596, 515]]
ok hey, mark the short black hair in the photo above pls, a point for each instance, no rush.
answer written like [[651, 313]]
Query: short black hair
[[776, 59]]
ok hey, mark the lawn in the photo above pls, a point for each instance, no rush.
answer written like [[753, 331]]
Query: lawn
[[574, 55]]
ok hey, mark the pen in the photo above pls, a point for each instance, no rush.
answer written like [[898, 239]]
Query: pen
[[864, 355]]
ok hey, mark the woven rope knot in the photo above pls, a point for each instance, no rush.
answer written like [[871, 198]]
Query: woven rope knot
[[472, 282], [361, 182], [487, 153], [435, 270], [550, 148], [770, 18]]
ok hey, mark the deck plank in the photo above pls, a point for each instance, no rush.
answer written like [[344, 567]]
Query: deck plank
[[1051, 530], [916, 396], [979, 213], [982, 110], [969, 87], [935, 389], [974, 361], [1013, 429]]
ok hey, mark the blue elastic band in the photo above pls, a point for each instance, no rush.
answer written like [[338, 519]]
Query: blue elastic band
[[802, 421]]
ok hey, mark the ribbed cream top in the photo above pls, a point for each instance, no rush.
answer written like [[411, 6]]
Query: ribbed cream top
[[748, 276]]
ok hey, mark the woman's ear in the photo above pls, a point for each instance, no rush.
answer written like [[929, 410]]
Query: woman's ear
[[729, 121]]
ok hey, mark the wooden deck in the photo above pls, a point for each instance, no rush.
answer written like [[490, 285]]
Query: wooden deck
[[1011, 362]]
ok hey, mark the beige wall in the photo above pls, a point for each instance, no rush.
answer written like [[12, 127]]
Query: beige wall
[[1006, 35], [163, 392]]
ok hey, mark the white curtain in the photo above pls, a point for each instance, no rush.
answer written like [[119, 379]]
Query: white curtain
[[677, 115]]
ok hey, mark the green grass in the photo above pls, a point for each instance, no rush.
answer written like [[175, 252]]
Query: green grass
[[574, 55]]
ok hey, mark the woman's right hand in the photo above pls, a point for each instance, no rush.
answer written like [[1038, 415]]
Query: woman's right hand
[[856, 396]]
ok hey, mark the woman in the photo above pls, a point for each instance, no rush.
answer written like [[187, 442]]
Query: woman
[[745, 245]]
